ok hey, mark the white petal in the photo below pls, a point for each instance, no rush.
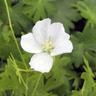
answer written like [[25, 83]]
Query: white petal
[[41, 62], [40, 30], [29, 44], [62, 46], [56, 30]]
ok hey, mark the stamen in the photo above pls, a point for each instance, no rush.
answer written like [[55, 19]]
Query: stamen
[[48, 46]]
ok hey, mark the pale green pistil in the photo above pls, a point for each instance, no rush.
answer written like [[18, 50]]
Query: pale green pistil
[[47, 46]]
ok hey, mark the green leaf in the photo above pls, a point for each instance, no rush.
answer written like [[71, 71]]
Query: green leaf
[[89, 85], [58, 67], [8, 78], [7, 43], [20, 21], [89, 82], [87, 9], [88, 37], [58, 76], [66, 13], [78, 49], [38, 9], [83, 42]]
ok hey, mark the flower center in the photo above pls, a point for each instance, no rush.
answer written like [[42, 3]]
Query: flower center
[[48, 46]]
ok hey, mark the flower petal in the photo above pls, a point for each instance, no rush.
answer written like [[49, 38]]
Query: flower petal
[[40, 30], [41, 62], [29, 44], [62, 46], [56, 30]]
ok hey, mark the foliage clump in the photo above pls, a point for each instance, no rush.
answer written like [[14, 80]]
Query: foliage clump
[[72, 74]]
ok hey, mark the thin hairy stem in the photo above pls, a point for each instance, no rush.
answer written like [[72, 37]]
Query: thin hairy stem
[[36, 86], [15, 40], [12, 31]]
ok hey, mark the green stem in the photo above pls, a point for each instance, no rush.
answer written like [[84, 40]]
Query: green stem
[[15, 40], [17, 71], [22, 70], [36, 86], [10, 24]]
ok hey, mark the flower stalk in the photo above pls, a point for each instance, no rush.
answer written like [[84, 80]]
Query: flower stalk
[[37, 84], [12, 31]]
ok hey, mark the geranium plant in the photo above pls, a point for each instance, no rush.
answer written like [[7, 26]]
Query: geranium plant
[[47, 48]]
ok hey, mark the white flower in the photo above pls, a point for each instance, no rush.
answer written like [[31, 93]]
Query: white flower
[[45, 41]]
